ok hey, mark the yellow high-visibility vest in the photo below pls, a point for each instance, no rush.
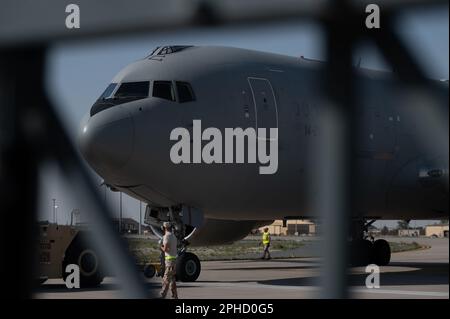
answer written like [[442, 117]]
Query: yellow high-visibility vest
[[170, 257], [266, 238]]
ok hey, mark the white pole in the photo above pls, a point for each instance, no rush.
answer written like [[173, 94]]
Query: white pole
[[54, 208], [140, 218], [120, 214]]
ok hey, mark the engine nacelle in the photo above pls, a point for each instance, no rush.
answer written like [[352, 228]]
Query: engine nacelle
[[200, 231]]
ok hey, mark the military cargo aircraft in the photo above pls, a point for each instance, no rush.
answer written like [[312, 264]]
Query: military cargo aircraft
[[209, 108]]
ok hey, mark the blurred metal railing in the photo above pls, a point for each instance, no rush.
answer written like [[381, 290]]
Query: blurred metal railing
[[31, 131]]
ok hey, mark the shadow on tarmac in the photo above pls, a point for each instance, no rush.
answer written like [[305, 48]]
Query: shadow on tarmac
[[396, 274], [417, 274]]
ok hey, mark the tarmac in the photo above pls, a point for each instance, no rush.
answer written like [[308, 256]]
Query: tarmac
[[413, 274]]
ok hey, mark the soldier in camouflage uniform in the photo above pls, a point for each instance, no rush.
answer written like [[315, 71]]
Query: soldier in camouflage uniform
[[169, 247]]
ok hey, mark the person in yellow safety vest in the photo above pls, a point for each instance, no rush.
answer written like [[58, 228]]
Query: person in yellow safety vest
[[266, 243], [169, 247]]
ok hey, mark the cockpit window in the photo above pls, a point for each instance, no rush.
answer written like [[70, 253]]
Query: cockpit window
[[127, 92], [154, 51], [168, 50], [133, 89], [164, 90], [107, 93], [165, 50], [185, 92]]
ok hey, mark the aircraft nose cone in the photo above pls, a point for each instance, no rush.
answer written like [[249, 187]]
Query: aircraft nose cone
[[107, 143]]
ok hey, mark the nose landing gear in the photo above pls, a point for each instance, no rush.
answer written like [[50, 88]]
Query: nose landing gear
[[188, 265]]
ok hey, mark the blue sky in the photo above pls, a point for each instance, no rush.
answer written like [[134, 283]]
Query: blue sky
[[79, 72]]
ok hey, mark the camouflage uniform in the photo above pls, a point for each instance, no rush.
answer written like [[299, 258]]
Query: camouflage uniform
[[169, 279]]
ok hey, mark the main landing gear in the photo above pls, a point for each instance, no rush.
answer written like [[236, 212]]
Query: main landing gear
[[365, 250]]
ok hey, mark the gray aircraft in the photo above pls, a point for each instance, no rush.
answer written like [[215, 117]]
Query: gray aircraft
[[215, 198]]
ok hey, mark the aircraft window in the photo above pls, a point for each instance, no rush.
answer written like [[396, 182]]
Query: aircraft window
[[107, 93], [168, 50], [164, 90], [154, 51], [133, 89], [162, 51], [127, 92], [178, 48], [185, 93]]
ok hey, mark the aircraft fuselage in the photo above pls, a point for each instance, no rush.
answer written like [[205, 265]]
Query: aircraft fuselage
[[129, 144]]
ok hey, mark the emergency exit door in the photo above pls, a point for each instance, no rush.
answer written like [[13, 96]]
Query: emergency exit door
[[265, 103]]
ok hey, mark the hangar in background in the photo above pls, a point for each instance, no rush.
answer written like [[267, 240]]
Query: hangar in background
[[436, 231], [292, 227]]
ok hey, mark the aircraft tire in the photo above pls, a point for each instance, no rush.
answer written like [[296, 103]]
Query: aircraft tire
[[149, 271], [88, 261], [188, 267], [381, 252]]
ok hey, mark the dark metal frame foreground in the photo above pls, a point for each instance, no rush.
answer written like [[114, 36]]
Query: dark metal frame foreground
[[337, 174], [30, 131]]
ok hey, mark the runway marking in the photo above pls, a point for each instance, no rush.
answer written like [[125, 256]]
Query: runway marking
[[401, 292], [251, 286], [315, 289]]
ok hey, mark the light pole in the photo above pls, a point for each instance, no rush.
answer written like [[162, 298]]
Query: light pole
[[120, 214], [56, 214], [140, 217], [54, 210]]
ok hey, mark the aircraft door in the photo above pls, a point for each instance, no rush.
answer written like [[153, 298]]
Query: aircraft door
[[265, 103]]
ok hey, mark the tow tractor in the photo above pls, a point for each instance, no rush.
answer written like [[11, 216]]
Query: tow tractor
[[61, 245]]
